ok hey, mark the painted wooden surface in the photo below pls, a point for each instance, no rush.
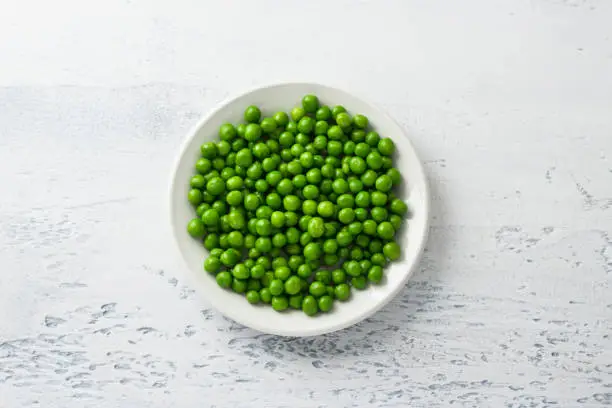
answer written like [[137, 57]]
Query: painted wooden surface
[[508, 102]]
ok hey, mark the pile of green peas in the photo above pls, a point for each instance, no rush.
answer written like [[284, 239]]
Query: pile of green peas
[[297, 209]]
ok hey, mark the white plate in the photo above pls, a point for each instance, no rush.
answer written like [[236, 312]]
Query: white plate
[[362, 304]]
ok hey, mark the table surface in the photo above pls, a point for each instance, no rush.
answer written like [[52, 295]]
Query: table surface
[[508, 103]]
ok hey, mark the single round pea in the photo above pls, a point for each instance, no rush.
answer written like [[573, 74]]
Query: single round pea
[[379, 199], [378, 259], [310, 306], [374, 160], [310, 103], [277, 219], [203, 165], [342, 292], [362, 150], [357, 165], [334, 148], [261, 150], [398, 207], [212, 264], [316, 227], [224, 279], [355, 185], [317, 289], [210, 217], [212, 241], [252, 114], [274, 177], [276, 287], [265, 295], [280, 303], [198, 181], [326, 209], [392, 250], [268, 125], [227, 132], [304, 271], [384, 183], [209, 150], [292, 285], [258, 271], [359, 282], [385, 230], [386, 146], [309, 207], [240, 271], [297, 113], [195, 196], [312, 251], [284, 187], [294, 167], [346, 215], [360, 121], [396, 221], [239, 285], [306, 125], [235, 239], [344, 120], [345, 201], [395, 175], [344, 238], [325, 303], [244, 157], [293, 235], [375, 274], [281, 119], [279, 240], [321, 128], [335, 133], [234, 183], [330, 246], [253, 297], [291, 203], [369, 178], [195, 228], [379, 214], [369, 227], [263, 244]]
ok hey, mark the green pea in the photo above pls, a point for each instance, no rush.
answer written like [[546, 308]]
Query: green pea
[[227, 132], [344, 238], [334, 148], [212, 242], [360, 121], [330, 246], [291, 203], [306, 125], [395, 175], [317, 289], [252, 114], [358, 136], [359, 282], [195, 228], [209, 150], [203, 165], [392, 251], [224, 279], [276, 287], [325, 303], [346, 215], [297, 113], [310, 306], [212, 264], [280, 303], [326, 209], [344, 120], [345, 201], [292, 285], [253, 297], [195, 196], [312, 251], [310, 103], [378, 259], [265, 295]]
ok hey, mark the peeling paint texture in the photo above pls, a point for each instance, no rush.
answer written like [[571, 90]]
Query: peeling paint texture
[[508, 103]]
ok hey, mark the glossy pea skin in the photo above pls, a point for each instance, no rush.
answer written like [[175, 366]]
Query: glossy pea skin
[[310, 305], [252, 114]]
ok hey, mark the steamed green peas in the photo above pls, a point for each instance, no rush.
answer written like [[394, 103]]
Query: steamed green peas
[[334, 148], [337, 110], [268, 125], [316, 227], [317, 289], [342, 292], [292, 285], [369, 178], [326, 209], [384, 183], [252, 132], [395, 175], [346, 215], [359, 282], [379, 214], [210, 217], [312, 251], [209, 150], [375, 274], [291, 203], [378, 259], [335, 133], [297, 113], [357, 165], [198, 181], [330, 246]]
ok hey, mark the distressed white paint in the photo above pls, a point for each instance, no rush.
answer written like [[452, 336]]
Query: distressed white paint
[[508, 103]]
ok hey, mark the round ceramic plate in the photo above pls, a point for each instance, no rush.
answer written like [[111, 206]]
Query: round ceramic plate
[[414, 191]]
